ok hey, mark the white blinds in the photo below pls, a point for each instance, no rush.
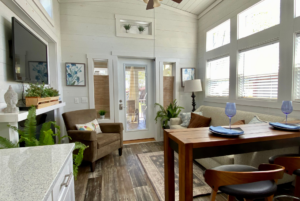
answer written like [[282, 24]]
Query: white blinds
[[297, 69], [258, 72], [217, 77]]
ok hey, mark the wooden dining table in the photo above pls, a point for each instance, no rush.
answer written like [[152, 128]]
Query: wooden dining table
[[195, 143]]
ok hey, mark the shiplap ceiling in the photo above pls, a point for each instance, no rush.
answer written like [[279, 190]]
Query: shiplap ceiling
[[195, 7]]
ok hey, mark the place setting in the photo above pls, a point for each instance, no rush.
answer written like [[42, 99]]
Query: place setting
[[230, 111]]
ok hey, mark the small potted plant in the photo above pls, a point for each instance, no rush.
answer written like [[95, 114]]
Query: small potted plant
[[102, 114], [127, 27], [141, 29]]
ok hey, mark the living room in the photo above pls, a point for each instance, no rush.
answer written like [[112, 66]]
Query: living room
[[149, 100]]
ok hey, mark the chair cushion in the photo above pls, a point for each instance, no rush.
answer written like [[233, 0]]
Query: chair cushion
[[225, 160], [90, 126], [177, 127], [186, 117], [107, 138], [240, 122], [253, 190], [198, 121], [272, 159]]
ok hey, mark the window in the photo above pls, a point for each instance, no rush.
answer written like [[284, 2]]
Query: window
[[297, 69], [259, 17], [297, 6], [168, 70], [217, 77], [47, 4], [258, 72], [218, 36]]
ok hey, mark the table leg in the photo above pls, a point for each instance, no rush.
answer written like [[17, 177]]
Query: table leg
[[185, 172], [169, 170]]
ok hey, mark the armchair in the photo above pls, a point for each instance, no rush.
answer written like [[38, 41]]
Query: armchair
[[100, 144]]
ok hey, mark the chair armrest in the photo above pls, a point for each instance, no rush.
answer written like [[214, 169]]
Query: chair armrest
[[111, 127], [175, 121], [77, 135]]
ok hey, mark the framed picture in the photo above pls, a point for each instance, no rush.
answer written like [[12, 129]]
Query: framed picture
[[38, 71], [75, 74], [187, 74]]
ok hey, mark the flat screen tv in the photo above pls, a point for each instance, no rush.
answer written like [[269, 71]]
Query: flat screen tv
[[29, 54]]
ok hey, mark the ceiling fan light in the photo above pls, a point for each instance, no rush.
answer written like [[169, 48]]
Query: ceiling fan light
[[156, 3]]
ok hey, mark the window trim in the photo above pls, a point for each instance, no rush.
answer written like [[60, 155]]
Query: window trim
[[44, 12], [294, 69]]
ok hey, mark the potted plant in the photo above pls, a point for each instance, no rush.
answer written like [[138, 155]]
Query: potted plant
[[40, 96], [127, 27], [165, 114], [141, 29], [102, 114]]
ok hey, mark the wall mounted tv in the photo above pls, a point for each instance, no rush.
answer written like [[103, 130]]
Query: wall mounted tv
[[29, 54]]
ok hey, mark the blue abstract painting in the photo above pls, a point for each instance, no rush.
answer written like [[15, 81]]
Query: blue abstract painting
[[187, 74], [75, 74], [38, 71]]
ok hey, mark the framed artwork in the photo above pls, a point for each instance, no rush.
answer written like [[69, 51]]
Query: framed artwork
[[187, 74], [75, 74], [38, 71]]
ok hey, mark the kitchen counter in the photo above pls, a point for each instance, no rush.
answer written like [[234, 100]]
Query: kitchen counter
[[30, 173]]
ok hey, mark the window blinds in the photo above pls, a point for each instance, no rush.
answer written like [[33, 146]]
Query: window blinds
[[217, 77], [297, 69], [258, 72]]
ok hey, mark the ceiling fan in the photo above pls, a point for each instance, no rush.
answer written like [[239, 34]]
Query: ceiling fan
[[156, 3]]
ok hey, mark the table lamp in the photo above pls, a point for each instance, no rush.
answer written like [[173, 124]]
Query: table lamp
[[193, 86]]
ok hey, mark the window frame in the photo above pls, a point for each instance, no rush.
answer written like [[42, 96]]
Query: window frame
[[295, 9], [207, 95], [294, 69], [44, 12], [207, 50]]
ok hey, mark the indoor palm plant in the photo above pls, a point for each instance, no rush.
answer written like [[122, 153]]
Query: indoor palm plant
[[165, 114]]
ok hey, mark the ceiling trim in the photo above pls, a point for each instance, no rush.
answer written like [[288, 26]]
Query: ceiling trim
[[209, 8]]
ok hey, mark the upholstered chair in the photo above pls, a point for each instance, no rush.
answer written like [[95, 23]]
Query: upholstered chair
[[100, 144]]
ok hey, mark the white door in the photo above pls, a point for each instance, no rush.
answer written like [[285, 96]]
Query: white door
[[136, 97]]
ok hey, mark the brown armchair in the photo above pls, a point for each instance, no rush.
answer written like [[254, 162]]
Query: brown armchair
[[100, 144]]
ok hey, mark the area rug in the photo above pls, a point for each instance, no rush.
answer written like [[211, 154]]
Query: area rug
[[153, 164]]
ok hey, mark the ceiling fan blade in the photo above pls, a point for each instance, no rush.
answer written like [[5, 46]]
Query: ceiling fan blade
[[150, 5], [178, 1]]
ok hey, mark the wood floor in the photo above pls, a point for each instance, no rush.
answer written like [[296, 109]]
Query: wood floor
[[121, 178]]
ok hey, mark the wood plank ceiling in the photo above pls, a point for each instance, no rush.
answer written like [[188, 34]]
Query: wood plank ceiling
[[191, 6]]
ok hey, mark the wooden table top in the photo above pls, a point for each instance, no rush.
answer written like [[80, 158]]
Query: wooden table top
[[201, 137]]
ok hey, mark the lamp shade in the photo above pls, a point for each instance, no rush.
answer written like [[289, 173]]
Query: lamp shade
[[192, 85]]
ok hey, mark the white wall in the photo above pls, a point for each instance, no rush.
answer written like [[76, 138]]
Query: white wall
[[89, 27], [284, 32]]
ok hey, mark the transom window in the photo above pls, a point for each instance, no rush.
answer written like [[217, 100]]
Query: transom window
[[258, 72], [218, 36], [259, 17], [217, 77], [297, 69], [47, 4], [297, 8]]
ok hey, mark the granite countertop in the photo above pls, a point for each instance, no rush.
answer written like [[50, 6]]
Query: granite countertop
[[29, 173]]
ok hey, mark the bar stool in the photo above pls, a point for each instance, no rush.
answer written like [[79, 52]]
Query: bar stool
[[243, 181], [291, 162]]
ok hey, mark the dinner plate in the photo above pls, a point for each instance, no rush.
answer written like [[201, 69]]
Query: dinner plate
[[226, 134], [288, 129]]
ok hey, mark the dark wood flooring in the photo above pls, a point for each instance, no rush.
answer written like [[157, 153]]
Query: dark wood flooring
[[122, 178]]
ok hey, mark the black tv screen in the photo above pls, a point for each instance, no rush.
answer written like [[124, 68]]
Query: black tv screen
[[29, 54]]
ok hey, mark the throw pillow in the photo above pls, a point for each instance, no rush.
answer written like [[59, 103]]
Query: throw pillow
[[198, 121], [186, 117], [256, 120], [240, 122], [90, 126]]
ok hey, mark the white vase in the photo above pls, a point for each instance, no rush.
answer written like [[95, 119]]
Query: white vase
[[102, 116]]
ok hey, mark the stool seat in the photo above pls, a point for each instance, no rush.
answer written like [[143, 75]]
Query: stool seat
[[254, 190], [272, 160]]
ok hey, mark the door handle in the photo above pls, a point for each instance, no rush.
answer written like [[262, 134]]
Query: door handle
[[121, 106]]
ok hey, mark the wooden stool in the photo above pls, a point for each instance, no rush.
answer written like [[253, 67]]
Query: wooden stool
[[291, 162], [244, 181]]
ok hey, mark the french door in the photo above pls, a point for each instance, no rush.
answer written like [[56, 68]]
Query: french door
[[136, 97]]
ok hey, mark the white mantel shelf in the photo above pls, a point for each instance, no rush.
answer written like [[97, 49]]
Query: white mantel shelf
[[22, 115]]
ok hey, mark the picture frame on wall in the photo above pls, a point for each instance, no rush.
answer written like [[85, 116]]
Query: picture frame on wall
[[187, 74], [75, 74]]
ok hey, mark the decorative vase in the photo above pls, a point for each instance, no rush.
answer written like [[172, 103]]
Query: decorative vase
[[102, 116], [11, 99]]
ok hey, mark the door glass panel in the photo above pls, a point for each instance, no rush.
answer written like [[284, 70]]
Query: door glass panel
[[136, 97]]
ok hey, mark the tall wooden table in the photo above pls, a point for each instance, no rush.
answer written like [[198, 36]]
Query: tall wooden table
[[198, 143]]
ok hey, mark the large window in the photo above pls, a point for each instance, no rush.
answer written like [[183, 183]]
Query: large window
[[218, 36], [217, 77], [297, 69], [261, 16], [297, 6], [258, 72]]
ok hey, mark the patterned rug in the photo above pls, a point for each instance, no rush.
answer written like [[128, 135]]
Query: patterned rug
[[153, 164]]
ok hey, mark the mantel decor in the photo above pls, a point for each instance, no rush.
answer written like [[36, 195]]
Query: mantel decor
[[11, 99], [75, 74]]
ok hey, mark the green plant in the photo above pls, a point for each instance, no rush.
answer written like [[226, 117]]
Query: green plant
[[141, 28], [28, 135], [102, 112], [127, 26], [165, 114], [39, 90]]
